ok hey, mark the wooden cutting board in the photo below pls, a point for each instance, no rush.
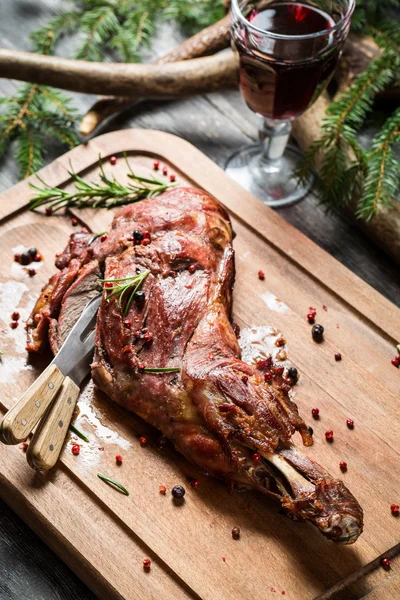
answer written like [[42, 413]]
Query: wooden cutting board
[[103, 535]]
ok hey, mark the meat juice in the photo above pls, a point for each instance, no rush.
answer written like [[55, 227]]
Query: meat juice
[[278, 78]]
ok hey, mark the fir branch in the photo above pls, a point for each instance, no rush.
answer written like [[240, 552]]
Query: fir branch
[[192, 14], [108, 193], [382, 178]]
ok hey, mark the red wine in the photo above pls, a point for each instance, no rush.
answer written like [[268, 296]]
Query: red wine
[[280, 78]]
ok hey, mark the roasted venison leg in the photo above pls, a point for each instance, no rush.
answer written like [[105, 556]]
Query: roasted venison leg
[[222, 413]]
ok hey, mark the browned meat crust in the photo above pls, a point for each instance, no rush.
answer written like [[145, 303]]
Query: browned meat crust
[[218, 410]]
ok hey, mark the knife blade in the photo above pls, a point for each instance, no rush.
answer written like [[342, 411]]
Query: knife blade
[[75, 355]]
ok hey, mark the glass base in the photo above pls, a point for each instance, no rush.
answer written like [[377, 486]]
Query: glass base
[[272, 181]]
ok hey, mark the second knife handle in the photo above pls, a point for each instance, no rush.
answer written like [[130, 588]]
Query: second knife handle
[[48, 439], [22, 418]]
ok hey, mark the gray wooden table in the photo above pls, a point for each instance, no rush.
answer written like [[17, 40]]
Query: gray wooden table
[[218, 124]]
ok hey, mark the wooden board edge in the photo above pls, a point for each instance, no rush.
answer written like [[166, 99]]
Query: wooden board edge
[[286, 239]]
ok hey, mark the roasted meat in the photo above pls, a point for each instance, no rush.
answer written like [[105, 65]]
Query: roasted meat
[[222, 413]]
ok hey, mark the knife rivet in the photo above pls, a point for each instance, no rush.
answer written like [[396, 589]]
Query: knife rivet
[[51, 385], [23, 421], [51, 447], [37, 403], [60, 423]]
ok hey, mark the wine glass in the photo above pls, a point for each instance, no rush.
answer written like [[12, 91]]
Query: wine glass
[[288, 54]]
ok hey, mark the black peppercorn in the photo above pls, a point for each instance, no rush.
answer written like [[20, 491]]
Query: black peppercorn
[[292, 372], [137, 235], [236, 533], [32, 252], [25, 259], [178, 491], [317, 332], [139, 298]]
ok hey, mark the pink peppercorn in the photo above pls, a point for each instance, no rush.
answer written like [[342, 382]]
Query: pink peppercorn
[[165, 171], [75, 449], [113, 160], [261, 275], [156, 165], [172, 178]]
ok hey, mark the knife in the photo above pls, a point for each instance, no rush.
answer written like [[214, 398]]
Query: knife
[[64, 374]]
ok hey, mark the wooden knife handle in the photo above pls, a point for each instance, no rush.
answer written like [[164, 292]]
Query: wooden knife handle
[[48, 439], [22, 418]]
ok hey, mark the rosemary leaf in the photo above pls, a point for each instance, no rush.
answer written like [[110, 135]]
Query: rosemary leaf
[[95, 236], [78, 433], [121, 286], [113, 483]]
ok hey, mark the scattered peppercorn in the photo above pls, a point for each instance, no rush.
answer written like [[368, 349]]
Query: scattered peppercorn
[[268, 376], [395, 509], [15, 316], [143, 441], [172, 178], [108, 284], [137, 235], [236, 533], [49, 211], [385, 562], [165, 171], [329, 435], [195, 483], [146, 564], [338, 356], [261, 275], [178, 491], [245, 378], [25, 259], [74, 221], [395, 362], [118, 459], [315, 413], [397, 357], [350, 423], [343, 465], [310, 318], [148, 337], [76, 449], [292, 372], [310, 430], [32, 251], [17, 257], [317, 332], [31, 272], [156, 165], [264, 364], [191, 269], [103, 237], [162, 489], [256, 457], [38, 258], [139, 297], [14, 324], [113, 160], [141, 367], [145, 241]]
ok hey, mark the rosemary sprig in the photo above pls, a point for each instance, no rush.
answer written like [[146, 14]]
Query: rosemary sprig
[[113, 483], [95, 236], [108, 193], [78, 433], [121, 286], [162, 370]]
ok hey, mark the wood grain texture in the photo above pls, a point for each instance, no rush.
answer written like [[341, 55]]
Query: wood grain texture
[[299, 274], [49, 437]]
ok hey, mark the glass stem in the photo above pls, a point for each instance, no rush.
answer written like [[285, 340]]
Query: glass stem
[[274, 136]]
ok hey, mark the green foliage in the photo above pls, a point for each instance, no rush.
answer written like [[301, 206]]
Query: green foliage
[[120, 29], [349, 173]]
